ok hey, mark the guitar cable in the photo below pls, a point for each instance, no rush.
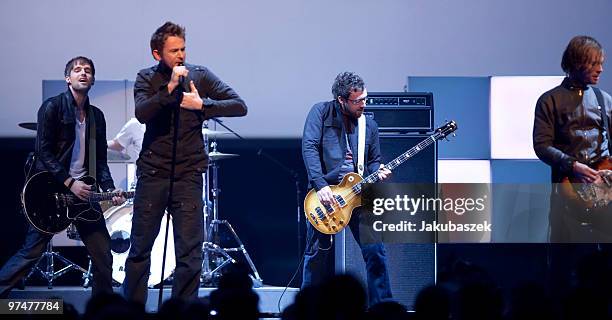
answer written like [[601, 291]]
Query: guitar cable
[[278, 304], [331, 243]]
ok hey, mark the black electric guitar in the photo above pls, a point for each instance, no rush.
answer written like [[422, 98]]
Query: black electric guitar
[[50, 206]]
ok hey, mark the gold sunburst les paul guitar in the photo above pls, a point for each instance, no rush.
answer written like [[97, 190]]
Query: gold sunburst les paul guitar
[[330, 219]]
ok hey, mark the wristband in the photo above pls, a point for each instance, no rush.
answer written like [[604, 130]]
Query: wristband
[[71, 183]]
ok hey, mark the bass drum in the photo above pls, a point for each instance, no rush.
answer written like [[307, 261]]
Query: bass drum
[[119, 224]]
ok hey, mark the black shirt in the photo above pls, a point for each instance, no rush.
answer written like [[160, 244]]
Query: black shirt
[[158, 110], [55, 138], [568, 127]]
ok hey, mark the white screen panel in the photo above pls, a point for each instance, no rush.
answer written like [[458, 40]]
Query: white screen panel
[[464, 171], [513, 102]]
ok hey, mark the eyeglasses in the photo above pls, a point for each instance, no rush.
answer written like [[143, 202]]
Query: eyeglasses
[[357, 101]]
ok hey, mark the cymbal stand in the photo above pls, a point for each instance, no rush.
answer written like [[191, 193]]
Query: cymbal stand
[[47, 270], [87, 276], [212, 241], [209, 248]]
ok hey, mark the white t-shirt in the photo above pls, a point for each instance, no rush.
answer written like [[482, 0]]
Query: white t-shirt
[[77, 161], [130, 138]]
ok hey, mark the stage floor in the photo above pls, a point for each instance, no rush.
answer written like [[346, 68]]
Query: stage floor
[[78, 296]]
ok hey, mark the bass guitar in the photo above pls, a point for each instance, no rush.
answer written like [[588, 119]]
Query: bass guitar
[[330, 219], [51, 207]]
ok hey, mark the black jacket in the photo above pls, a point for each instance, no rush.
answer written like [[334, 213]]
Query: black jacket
[[324, 146], [157, 109], [568, 127], [55, 139]]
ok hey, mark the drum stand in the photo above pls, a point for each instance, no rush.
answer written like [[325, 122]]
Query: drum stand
[[47, 270], [213, 252]]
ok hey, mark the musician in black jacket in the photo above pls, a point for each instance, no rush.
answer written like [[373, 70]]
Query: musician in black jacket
[[173, 99], [330, 151], [62, 144], [570, 135]]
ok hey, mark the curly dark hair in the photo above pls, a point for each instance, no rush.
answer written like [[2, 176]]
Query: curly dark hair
[[345, 83], [82, 60], [162, 33], [577, 52]]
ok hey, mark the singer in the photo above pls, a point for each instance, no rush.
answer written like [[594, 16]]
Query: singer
[[173, 99]]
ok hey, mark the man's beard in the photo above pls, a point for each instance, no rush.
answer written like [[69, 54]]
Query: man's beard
[[348, 112], [81, 87]]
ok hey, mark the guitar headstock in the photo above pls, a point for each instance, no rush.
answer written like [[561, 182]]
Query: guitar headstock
[[446, 129]]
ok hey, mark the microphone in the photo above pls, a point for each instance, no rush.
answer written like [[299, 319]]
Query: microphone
[[182, 83]]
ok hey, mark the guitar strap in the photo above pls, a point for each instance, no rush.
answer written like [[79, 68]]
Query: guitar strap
[[91, 170], [604, 116], [361, 130]]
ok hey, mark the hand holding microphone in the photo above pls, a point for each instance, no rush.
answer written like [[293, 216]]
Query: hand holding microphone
[[191, 98], [182, 78], [179, 73]]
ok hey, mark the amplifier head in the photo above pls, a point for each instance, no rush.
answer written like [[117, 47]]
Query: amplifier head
[[402, 111]]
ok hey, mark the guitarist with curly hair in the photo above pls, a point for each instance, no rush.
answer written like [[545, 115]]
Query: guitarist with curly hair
[[330, 148]]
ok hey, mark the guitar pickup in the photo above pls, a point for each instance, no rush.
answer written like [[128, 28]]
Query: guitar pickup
[[320, 213], [329, 208], [340, 200]]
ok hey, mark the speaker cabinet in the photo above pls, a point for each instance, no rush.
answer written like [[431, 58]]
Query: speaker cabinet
[[411, 266]]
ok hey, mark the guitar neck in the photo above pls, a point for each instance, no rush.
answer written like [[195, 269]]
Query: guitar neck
[[104, 196], [391, 165]]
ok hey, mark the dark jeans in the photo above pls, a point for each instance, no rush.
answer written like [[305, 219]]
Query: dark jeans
[[319, 259], [150, 203], [96, 239]]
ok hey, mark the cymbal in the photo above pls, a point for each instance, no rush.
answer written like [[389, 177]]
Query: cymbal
[[116, 156], [28, 125], [213, 133], [214, 156]]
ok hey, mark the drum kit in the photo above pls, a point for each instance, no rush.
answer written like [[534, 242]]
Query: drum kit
[[118, 221]]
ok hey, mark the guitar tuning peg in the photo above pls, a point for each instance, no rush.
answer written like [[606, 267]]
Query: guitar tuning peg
[[454, 134]]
